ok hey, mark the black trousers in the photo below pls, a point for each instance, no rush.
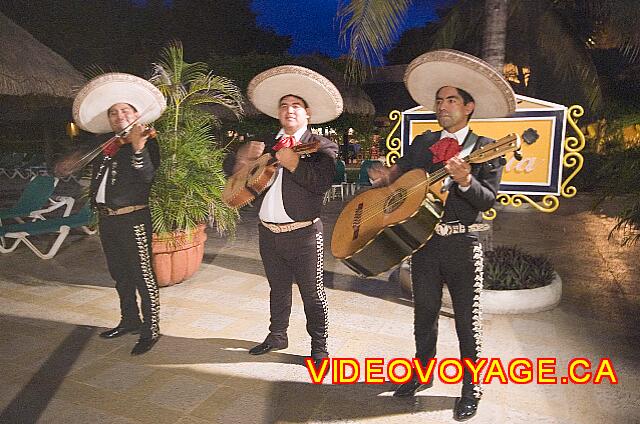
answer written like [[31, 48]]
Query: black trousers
[[296, 256], [458, 261], [126, 241]]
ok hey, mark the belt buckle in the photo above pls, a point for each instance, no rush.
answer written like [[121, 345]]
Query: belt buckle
[[443, 230]]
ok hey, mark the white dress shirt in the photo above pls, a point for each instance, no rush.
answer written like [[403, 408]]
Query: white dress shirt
[[460, 136], [272, 209]]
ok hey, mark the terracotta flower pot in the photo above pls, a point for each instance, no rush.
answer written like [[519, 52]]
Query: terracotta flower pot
[[177, 258]]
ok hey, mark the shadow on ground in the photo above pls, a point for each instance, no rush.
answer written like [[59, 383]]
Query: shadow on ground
[[284, 400]]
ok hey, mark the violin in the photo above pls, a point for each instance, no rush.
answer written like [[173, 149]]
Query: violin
[[77, 160]]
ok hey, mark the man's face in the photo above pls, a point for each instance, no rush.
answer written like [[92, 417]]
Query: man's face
[[121, 115], [450, 109], [292, 114]]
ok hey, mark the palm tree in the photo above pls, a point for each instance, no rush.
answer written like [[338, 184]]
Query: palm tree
[[369, 27], [188, 186], [495, 33], [524, 31], [558, 32]]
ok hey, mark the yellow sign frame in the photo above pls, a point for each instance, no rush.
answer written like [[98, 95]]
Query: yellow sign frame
[[571, 158]]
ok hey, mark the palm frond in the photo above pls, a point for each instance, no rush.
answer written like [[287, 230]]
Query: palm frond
[[95, 70], [188, 187], [621, 25], [554, 36], [628, 223], [369, 27], [460, 25], [212, 89]]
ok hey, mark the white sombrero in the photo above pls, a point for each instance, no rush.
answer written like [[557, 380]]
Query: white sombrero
[[94, 99], [322, 97], [426, 74]]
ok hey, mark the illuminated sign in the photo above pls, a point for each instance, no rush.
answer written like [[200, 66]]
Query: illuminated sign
[[541, 126]]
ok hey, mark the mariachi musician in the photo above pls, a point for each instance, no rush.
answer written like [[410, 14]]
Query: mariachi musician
[[290, 230], [120, 105], [457, 86]]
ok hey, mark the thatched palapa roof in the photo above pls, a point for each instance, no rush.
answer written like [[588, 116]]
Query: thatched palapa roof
[[356, 101], [28, 67]]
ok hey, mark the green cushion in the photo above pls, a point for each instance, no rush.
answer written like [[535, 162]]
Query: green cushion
[[33, 197], [83, 217]]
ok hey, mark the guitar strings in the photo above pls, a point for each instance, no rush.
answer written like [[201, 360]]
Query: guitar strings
[[375, 208]]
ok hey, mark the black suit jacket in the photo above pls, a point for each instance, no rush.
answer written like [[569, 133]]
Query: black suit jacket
[[303, 190], [126, 185], [465, 207]]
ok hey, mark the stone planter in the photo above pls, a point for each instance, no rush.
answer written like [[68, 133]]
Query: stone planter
[[523, 301], [177, 258]]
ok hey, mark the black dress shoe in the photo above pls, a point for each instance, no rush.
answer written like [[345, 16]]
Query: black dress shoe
[[265, 347], [120, 330], [411, 387], [318, 357], [144, 345], [465, 408]]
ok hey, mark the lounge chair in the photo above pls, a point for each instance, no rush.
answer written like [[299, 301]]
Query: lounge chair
[[363, 175], [23, 231], [36, 200], [339, 182], [10, 164]]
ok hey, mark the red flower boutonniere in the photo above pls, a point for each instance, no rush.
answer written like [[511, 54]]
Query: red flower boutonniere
[[445, 149]]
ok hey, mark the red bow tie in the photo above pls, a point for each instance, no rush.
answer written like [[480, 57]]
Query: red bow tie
[[445, 149], [285, 141]]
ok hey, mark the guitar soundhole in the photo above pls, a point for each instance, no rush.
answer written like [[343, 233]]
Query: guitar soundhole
[[395, 200]]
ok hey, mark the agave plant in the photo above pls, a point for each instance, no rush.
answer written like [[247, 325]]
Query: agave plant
[[510, 268], [188, 187]]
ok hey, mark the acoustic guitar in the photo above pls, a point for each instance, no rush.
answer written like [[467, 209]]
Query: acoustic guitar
[[381, 227], [256, 176]]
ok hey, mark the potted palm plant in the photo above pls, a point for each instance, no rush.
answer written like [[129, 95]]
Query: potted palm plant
[[187, 190]]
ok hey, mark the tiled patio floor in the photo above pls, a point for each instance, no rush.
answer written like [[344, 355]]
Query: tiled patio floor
[[56, 370]]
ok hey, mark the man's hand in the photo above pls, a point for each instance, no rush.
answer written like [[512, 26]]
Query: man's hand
[[250, 151], [246, 153], [459, 170], [137, 137], [288, 158], [380, 175]]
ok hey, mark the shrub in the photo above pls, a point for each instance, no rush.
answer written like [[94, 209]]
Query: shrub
[[510, 268], [620, 179]]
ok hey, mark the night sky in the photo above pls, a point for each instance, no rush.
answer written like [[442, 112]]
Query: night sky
[[313, 26]]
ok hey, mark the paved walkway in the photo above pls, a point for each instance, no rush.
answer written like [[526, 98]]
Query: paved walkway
[[56, 370]]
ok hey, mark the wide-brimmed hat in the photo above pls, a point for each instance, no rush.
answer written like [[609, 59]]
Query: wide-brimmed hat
[[426, 74], [322, 97], [94, 99]]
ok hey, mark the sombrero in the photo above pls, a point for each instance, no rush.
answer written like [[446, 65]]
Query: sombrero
[[322, 97], [94, 99], [426, 74]]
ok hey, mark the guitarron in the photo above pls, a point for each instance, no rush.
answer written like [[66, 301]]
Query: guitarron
[[381, 227]]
